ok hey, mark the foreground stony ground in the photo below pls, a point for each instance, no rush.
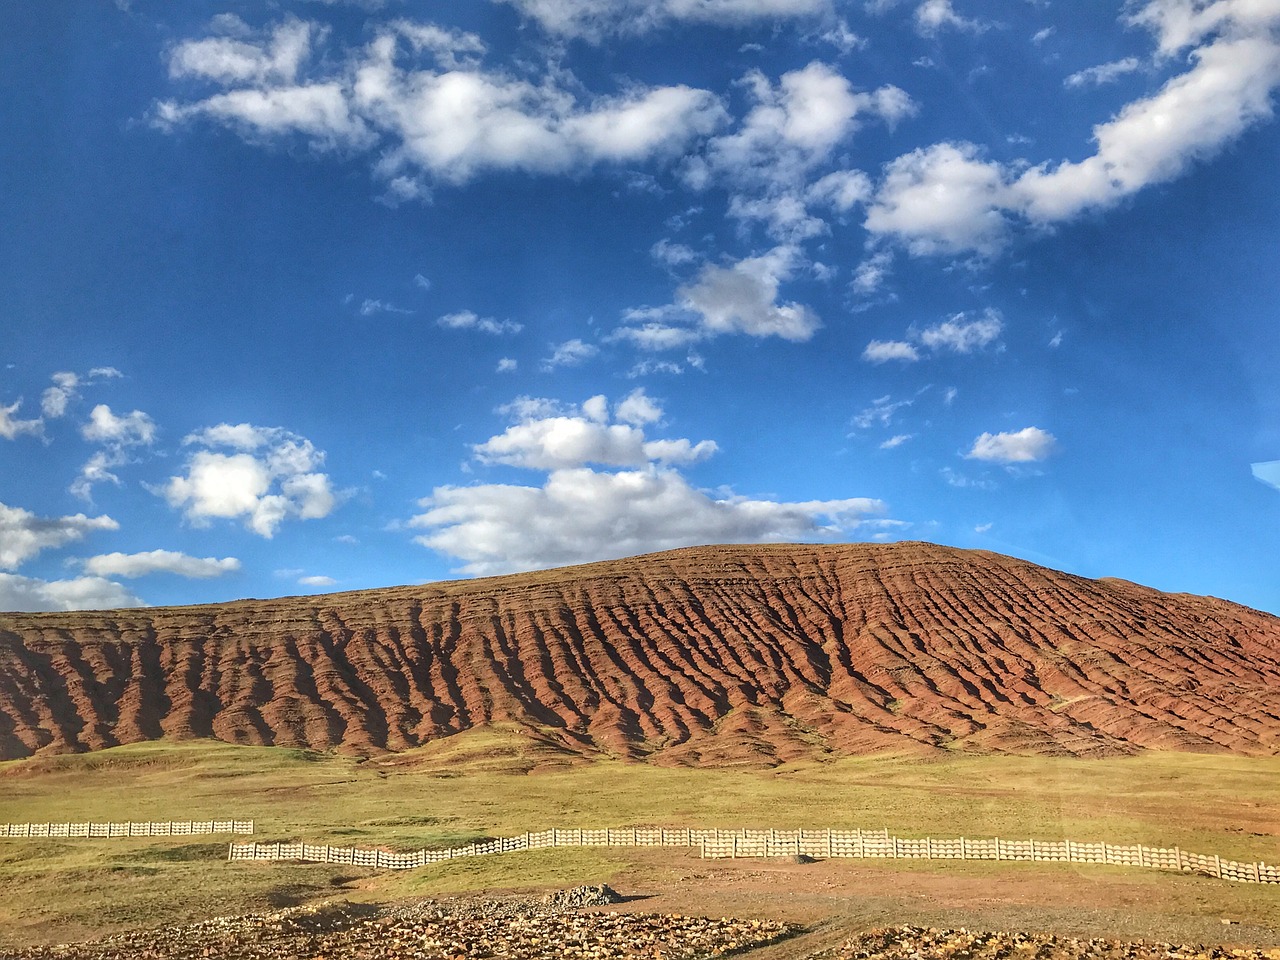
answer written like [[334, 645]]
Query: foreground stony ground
[[915, 943], [556, 926], [514, 928]]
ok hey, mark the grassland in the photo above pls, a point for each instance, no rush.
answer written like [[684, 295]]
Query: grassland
[[487, 783]]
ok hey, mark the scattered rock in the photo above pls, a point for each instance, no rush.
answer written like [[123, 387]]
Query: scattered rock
[[511, 928], [586, 896]]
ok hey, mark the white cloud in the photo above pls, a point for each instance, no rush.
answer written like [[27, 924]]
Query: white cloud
[[633, 500], [421, 282], [882, 351], [1103, 73], [580, 514], [983, 527], [571, 353], [638, 409], [317, 581], [1267, 472], [241, 55], [594, 19], [55, 399], [672, 254], [447, 122], [948, 199], [738, 297], [1154, 139], [1179, 24], [469, 320], [134, 428], [273, 476], [880, 413], [742, 297], [550, 437], [11, 427], [942, 199], [871, 273], [1028, 445], [131, 565], [117, 434], [507, 365], [896, 441], [961, 335], [371, 307], [933, 16], [793, 128], [23, 534], [31, 595]]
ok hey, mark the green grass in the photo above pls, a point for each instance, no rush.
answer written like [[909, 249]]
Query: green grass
[[478, 785]]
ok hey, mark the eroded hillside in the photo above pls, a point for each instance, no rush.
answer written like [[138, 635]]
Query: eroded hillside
[[706, 655]]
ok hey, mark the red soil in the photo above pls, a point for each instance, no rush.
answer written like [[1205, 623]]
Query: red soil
[[709, 655]]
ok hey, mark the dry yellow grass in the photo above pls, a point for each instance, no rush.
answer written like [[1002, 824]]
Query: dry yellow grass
[[483, 784]]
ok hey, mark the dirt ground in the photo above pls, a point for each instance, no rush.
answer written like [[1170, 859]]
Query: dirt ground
[[837, 899]]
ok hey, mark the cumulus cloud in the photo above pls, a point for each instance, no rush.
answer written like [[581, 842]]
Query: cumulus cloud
[[23, 534], [134, 428], [609, 491], [896, 440], [11, 427], [595, 19], [55, 399], [942, 199], [959, 333], [793, 128], [948, 198], [1028, 445], [580, 514], [570, 353], [469, 320], [31, 595], [447, 121], [118, 434], [871, 273], [132, 565], [548, 436], [317, 581], [737, 297], [273, 475], [933, 16]]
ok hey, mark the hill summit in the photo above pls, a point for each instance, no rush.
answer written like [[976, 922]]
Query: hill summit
[[707, 655]]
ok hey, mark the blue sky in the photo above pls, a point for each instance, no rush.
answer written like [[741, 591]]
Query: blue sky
[[316, 295]]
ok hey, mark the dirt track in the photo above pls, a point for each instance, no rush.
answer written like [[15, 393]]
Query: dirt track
[[701, 656]]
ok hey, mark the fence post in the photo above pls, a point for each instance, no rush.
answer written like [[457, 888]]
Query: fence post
[[828, 843], [1177, 852], [1217, 866], [1106, 854], [964, 849], [928, 847]]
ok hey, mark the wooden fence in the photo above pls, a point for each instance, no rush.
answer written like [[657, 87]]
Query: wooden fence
[[168, 828], [780, 843]]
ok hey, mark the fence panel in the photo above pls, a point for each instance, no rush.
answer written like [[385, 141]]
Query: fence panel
[[717, 843]]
